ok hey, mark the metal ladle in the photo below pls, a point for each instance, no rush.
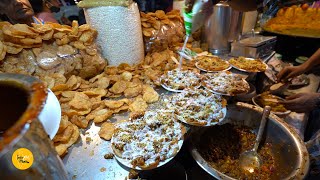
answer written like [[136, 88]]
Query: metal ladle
[[250, 160]]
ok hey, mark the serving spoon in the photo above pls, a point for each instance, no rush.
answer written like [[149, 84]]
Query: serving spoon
[[250, 160]]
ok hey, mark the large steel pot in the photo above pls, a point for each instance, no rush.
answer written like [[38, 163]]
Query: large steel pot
[[22, 99], [288, 149]]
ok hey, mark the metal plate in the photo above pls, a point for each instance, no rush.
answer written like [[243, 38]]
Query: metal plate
[[244, 70], [217, 92], [196, 64], [85, 159], [169, 89], [256, 41], [304, 81], [255, 102], [175, 90], [161, 163], [224, 94], [224, 110]]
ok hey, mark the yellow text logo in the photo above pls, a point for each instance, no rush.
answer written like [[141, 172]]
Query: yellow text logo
[[22, 158]]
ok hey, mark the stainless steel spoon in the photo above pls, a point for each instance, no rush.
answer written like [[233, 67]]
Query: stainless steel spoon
[[250, 160]]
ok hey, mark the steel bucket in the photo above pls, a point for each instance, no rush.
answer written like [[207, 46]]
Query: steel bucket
[[22, 99], [222, 28]]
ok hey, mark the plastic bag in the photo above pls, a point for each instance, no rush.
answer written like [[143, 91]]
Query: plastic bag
[[51, 59], [162, 30]]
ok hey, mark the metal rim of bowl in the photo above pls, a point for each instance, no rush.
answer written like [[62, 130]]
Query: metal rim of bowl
[[303, 160], [276, 113]]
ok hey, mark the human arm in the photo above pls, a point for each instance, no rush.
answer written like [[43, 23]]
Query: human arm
[[290, 72], [303, 102], [313, 61]]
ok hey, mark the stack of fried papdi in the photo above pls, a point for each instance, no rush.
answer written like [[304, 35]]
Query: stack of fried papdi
[[97, 99]]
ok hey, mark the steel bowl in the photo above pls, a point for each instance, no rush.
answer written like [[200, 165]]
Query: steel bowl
[[247, 97], [280, 114], [289, 151]]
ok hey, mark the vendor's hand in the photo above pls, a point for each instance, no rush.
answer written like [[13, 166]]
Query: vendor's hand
[[303, 102], [290, 72]]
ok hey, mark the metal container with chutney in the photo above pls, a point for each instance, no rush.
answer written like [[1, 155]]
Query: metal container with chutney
[[26, 152]]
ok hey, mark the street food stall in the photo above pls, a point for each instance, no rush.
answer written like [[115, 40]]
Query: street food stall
[[126, 96]]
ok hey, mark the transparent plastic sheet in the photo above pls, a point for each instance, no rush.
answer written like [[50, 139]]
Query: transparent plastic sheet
[[162, 31]]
